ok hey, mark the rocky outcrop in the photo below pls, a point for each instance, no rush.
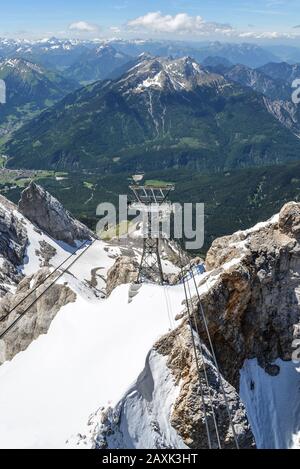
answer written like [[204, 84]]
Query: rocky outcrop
[[163, 408], [124, 270], [171, 250], [188, 416], [46, 252], [49, 215], [13, 242], [285, 111], [289, 220], [251, 294], [38, 318]]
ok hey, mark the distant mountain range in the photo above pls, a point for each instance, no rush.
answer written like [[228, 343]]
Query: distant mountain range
[[87, 61], [222, 127], [63, 53], [255, 79], [274, 81], [97, 64], [247, 54], [30, 88], [160, 113], [51, 53]]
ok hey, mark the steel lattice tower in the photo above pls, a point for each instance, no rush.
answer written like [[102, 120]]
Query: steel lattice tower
[[151, 199]]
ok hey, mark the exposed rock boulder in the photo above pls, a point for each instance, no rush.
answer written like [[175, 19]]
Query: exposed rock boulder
[[38, 318], [124, 270], [46, 252], [49, 215], [289, 219]]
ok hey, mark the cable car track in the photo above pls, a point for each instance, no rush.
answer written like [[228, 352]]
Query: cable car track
[[11, 326], [191, 316]]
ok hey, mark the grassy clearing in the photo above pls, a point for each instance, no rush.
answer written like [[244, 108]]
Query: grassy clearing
[[88, 185], [2, 161], [156, 183]]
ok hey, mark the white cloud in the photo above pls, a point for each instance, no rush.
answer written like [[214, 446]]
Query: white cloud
[[182, 23], [115, 29], [84, 27], [267, 35]]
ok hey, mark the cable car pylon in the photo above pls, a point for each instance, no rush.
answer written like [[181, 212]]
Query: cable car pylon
[[151, 201]]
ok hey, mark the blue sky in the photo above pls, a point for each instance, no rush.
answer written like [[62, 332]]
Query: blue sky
[[269, 20]]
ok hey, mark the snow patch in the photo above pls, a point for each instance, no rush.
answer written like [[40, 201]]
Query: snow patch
[[273, 404], [142, 419]]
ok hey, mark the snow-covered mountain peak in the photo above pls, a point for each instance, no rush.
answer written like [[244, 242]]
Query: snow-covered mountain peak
[[21, 66], [168, 74]]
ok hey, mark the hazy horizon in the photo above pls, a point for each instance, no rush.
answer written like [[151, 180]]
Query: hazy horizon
[[260, 21]]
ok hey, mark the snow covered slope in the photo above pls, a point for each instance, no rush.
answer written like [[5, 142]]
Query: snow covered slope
[[28, 248], [95, 347], [130, 355], [90, 356], [142, 418], [273, 404]]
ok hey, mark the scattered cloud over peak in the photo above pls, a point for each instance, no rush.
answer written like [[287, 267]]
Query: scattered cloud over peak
[[187, 25], [84, 27], [182, 23], [115, 29], [267, 35]]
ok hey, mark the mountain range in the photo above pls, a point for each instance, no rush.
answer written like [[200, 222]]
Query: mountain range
[[63, 53], [200, 126], [274, 82], [160, 113], [97, 64], [30, 88]]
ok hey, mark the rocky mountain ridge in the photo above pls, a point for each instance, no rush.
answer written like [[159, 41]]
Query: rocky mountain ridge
[[143, 116], [30, 88], [46, 212], [250, 298], [97, 64]]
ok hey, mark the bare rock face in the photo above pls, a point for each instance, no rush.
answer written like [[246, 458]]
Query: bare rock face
[[171, 250], [252, 302], [49, 215], [124, 270], [223, 250], [39, 317], [188, 416], [13, 242], [289, 219], [46, 252]]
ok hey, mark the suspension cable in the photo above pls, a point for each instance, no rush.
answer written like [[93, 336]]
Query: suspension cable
[[2, 319], [216, 362], [206, 376], [198, 367], [177, 337], [3, 334], [168, 307]]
